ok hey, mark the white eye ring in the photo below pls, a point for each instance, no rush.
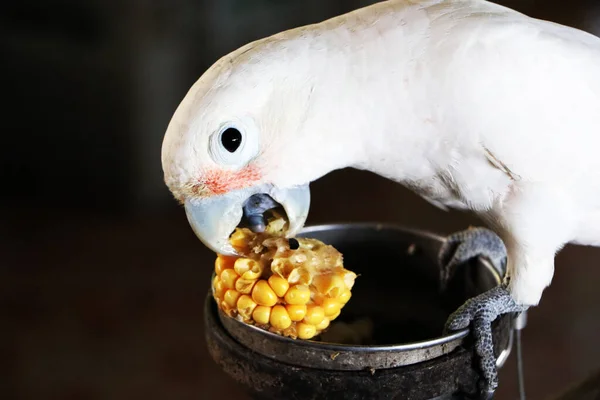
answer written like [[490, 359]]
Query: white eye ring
[[239, 156]]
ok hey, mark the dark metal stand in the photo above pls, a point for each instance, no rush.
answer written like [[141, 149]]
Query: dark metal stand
[[450, 377]]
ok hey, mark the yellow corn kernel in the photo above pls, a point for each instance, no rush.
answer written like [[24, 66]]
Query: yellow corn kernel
[[331, 284], [263, 295], [297, 295], [279, 318], [246, 306], [238, 239], [305, 331], [244, 286], [231, 297], [247, 268], [261, 315], [345, 296], [334, 316], [323, 325], [219, 288], [222, 263], [314, 315], [291, 293], [330, 307], [279, 285], [297, 312], [228, 277]]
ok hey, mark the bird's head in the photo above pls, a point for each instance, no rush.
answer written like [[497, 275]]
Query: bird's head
[[250, 132]]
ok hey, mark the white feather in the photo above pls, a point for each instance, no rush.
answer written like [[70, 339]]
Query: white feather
[[468, 103]]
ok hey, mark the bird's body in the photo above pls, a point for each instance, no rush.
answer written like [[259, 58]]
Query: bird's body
[[470, 104], [475, 106]]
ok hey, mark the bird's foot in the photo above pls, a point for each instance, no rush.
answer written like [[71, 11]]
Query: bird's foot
[[463, 246], [479, 313]]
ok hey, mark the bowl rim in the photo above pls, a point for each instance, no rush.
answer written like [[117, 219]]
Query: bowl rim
[[459, 334], [420, 344]]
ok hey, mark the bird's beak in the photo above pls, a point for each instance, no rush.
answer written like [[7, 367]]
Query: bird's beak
[[213, 219]]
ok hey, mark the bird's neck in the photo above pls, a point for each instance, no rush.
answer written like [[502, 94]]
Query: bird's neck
[[373, 102]]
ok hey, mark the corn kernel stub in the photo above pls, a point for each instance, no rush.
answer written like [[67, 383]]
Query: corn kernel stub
[[297, 295], [281, 267], [279, 285], [300, 276], [244, 286], [262, 314], [318, 298], [216, 281], [349, 279], [247, 268], [263, 295], [231, 297], [245, 306], [225, 307], [329, 285], [276, 225], [228, 277], [289, 332], [279, 318], [242, 265]]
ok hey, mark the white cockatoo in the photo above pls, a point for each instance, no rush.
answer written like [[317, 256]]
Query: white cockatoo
[[472, 105]]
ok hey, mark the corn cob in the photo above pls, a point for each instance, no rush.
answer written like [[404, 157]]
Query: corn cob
[[293, 288]]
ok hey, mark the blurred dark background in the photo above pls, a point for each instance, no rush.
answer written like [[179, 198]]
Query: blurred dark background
[[101, 278]]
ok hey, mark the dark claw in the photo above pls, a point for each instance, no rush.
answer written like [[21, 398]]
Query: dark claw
[[479, 313], [464, 246]]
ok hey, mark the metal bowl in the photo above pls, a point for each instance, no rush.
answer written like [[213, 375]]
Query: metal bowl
[[398, 289]]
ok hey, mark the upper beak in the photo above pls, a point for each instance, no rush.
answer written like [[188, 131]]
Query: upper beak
[[214, 219]]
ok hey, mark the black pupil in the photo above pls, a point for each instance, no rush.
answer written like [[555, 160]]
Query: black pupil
[[231, 139], [294, 245]]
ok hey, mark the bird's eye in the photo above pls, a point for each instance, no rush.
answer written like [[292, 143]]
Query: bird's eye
[[231, 139], [235, 144]]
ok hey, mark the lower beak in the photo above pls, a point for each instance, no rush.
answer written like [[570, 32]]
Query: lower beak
[[213, 219]]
